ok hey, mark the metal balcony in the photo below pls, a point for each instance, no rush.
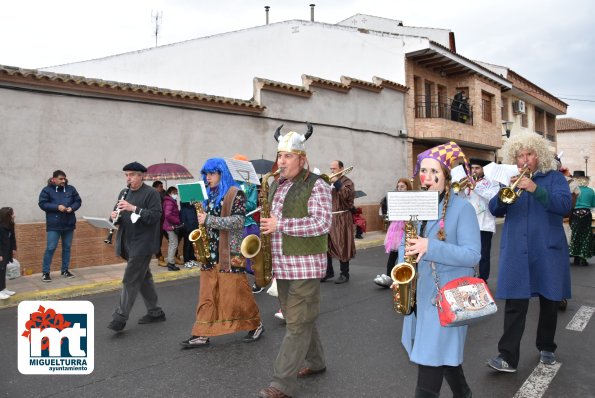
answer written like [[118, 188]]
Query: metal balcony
[[428, 107]]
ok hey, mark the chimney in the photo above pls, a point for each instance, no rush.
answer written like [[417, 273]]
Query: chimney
[[451, 42], [312, 12], [266, 10]]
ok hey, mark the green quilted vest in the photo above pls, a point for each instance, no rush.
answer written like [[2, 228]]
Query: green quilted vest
[[295, 205]]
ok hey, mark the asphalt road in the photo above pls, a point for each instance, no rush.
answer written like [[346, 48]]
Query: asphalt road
[[359, 329]]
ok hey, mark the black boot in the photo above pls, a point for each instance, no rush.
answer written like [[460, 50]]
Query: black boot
[[330, 272], [456, 380], [421, 393]]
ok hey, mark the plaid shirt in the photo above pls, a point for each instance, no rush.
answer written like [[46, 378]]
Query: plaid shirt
[[317, 223]]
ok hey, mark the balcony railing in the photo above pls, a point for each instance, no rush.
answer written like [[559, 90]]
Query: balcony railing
[[443, 108]]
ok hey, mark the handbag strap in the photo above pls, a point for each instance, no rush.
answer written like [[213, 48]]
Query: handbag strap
[[437, 301]]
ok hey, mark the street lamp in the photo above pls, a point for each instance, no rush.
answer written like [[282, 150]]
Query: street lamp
[[586, 163], [507, 126]]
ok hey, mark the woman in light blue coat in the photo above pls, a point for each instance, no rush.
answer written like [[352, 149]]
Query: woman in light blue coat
[[452, 243]]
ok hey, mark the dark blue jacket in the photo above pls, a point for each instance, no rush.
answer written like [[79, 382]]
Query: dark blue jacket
[[50, 198], [188, 216]]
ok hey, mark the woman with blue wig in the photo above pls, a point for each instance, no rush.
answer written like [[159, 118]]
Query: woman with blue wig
[[225, 301]]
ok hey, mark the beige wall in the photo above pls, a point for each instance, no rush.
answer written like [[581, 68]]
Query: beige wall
[[92, 138], [576, 145]]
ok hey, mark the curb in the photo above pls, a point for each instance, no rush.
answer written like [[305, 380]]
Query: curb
[[370, 243], [115, 284], [90, 288]]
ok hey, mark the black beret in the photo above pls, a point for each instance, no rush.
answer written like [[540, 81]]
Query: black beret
[[480, 162], [135, 166]]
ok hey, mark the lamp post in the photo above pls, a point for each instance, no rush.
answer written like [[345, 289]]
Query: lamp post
[[507, 126], [586, 164]]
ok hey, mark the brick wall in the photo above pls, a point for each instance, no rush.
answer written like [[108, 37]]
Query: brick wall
[[88, 248]]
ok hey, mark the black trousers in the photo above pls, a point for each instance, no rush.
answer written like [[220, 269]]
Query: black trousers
[[3, 265], [486, 249], [188, 248], [429, 381], [330, 271], [515, 314], [392, 261]]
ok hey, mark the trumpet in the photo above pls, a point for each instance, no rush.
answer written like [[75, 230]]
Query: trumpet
[[509, 195], [464, 183], [327, 178], [110, 234]]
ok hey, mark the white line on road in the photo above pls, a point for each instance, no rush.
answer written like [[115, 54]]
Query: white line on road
[[538, 382], [581, 318]]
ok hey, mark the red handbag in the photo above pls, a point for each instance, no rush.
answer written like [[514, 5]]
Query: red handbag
[[463, 300]]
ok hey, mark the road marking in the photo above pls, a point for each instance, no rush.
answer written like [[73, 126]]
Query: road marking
[[538, 382], [581, 318]]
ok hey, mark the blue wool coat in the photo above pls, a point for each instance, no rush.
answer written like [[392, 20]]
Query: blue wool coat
[[533, 248], [426, 342]]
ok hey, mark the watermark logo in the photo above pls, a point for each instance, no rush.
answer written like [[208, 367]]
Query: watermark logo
[[56, 337]]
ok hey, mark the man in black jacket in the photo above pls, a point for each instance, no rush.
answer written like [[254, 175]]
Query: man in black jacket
[[138, 217]]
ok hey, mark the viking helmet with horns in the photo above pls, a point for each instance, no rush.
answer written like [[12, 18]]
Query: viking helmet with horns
[[292, 141]]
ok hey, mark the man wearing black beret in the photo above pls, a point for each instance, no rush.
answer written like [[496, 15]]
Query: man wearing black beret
[[138, 215]]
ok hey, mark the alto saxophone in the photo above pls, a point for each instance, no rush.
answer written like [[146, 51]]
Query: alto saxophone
[[259, 249], [200, 240], [405, 275]]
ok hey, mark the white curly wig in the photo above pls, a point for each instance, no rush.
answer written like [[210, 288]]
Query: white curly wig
[[515, 144]]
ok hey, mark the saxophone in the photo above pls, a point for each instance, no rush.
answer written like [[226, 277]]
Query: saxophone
[[259, 249], [201, 248], [404, 275]]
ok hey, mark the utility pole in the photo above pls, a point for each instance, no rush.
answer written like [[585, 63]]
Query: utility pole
[[157, 19]]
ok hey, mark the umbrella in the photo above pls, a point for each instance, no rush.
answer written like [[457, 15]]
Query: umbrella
[[262, 166], [167, 171], [360, 194]]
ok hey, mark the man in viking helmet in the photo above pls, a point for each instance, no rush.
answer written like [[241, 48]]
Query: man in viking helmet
[[299, 223]]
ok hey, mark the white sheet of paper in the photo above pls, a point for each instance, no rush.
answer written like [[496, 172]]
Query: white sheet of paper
[[242, 170], [99, 222], [458, 173], [500, 172], [402, 205]]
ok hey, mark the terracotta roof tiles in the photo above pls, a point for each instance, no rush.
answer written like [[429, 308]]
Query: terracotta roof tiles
[[572, 124], [14, 75]]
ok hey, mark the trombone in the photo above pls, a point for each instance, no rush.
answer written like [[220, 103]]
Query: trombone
[[509, 195], [327, 178]]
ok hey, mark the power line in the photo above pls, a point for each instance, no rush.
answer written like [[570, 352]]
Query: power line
[[576, 99]]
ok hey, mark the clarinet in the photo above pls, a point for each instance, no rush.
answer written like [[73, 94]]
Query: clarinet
[[110, 234]]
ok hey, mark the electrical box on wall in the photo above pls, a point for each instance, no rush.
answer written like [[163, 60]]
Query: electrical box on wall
[[519, 106]]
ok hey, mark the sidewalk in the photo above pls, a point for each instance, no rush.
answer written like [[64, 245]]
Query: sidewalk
[[104, 278]]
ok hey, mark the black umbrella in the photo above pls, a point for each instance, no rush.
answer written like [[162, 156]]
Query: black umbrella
[[262, 166], [360, 194]]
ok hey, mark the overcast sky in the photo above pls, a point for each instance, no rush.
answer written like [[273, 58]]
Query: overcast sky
[[550, 43]]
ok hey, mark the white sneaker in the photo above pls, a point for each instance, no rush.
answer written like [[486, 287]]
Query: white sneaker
[[9, 292], [188, 264], [279, 315], [388, 281], [3, 296]]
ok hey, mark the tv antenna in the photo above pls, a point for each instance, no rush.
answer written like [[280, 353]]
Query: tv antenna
[[157, 19]]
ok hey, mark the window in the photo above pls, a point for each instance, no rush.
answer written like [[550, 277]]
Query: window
[[486, 106], [550, 126], [539, 121]]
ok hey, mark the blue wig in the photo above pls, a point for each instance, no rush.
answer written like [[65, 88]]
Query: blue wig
[[217, 165]]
